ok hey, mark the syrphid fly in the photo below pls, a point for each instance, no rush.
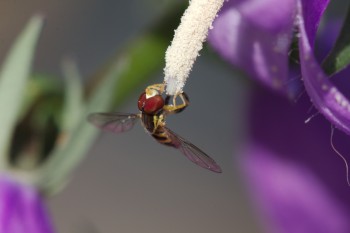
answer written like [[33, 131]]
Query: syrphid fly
[[153, 111]]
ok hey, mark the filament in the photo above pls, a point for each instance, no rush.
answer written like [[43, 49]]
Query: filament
[[341, 156]]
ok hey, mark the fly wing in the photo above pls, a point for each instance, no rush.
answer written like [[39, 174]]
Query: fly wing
[[113, 122], [192, 152]]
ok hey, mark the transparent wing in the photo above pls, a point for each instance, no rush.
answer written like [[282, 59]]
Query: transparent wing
[[192, 152], [113, 122]]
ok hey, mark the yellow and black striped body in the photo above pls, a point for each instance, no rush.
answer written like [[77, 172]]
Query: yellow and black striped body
[[154, 124]]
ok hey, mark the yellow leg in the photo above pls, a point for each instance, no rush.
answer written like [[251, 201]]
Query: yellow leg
[[155, 89], [174, 107], [158, 122]]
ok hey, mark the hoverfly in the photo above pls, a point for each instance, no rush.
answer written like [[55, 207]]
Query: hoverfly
[[153, 111]]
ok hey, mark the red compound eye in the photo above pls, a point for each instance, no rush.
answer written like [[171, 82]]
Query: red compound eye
[[153, 104], [150, 105], [141, 102]]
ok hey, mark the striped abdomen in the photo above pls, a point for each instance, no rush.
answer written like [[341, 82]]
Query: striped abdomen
[[160, 134]]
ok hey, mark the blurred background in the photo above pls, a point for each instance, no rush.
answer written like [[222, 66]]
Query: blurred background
[[128, 182]]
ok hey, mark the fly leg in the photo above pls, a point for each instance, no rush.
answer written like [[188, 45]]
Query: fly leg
[[158, 121], [174, 107], [155, 89]]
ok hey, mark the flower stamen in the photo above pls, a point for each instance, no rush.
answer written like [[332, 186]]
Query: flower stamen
[[187, 42]]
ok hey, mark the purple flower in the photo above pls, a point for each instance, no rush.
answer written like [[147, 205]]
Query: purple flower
[[256, 36], [296, 180], [22, 209]]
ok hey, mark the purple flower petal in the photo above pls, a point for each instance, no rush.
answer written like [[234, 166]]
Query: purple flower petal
[[312, 11], [324, 94], [290, 197], [296, 179], [21, 208], [255, 35]]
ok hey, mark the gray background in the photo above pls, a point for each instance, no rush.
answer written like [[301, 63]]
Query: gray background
[[128, 183]]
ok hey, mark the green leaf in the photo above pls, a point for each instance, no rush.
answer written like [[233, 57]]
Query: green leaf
[[73, 98], [64, 159], [339, 57], [39, 85], [13, 80]]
